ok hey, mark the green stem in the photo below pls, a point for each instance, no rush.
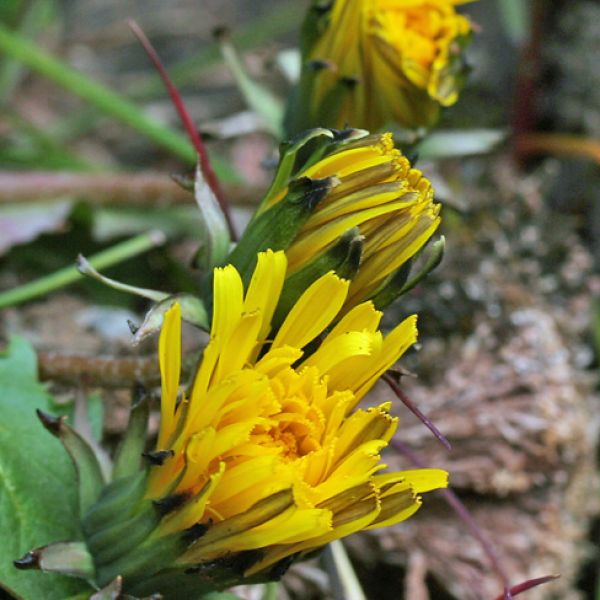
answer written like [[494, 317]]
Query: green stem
[[18, 48], [68, 275], [345, 583], [270, 591]]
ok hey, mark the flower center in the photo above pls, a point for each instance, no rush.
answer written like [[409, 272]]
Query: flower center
[[296, 428], [416, 31]]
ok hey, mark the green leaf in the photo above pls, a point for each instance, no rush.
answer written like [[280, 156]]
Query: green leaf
[[288, 153], [90, 478], [215, 231], [464, 142], [38, 497]]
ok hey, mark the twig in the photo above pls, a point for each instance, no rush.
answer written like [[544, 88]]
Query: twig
[[130, 188], [103, 371], [106, 371], [558, 143], [143, 189], [190, 127], [111, 256]]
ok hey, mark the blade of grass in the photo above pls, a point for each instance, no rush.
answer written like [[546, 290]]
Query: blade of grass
[[260, 99], [270, 590], [280, 21], [515, 16], [45, 149], [68, 275], [37, 17], [101, 97]]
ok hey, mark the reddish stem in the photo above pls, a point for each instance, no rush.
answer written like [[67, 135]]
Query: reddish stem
[[416, 411], [463, 512], [524, 110], [529, 584], [203, 159]]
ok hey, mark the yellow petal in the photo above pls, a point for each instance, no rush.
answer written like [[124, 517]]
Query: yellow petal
[[395, 344], [396, 508], [360, 374], [260, 513], [362, 317], [228, 292], [169, 351], [313, 312], [421, 480], [265, 287], [193, 511], [314, 241], [277, 359], [350, 520], [363, 426], [243, 342], [337, 349]]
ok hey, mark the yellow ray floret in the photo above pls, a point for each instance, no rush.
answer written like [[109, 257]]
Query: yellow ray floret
[[269, 451], [384, 61], [379, 193]]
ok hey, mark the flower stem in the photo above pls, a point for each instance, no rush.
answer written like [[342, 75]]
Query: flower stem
[[529, 585], [68, 275], [463, 512], [387, 377], [345, 583]]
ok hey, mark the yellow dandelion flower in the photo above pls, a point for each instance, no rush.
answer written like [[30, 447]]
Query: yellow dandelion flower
[[263, 458], [371, 62], [373, 196], [268, 451]]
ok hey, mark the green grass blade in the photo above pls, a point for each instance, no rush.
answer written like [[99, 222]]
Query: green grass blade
[[281, 20], [101, 97], [67, 275], [38, 16], [515, 15]]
